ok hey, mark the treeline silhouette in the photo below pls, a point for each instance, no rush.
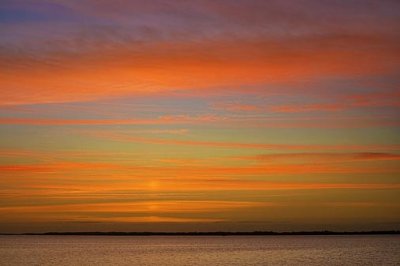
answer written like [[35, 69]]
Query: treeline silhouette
[[220, 233]]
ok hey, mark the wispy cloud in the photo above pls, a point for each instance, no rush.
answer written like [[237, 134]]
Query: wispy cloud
[[63, 122], [239, 145], [192, 171], [129, 67], [324, 157], [142, 207]]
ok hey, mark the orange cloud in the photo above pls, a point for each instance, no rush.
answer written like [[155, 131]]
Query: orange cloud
[[179, 185], [388, 98], [162, 120], [325, 157], [377, 99], [220, 144], [333, 122], [307, 108], [61, 217], [234, 107], [168, 66], [141, 206], [130, 211], [56, 166], [143, 219], [62, 122]]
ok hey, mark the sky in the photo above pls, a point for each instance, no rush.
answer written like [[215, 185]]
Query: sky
[[201, 115]]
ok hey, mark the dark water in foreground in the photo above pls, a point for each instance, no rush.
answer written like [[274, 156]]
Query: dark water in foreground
[[203, 250]]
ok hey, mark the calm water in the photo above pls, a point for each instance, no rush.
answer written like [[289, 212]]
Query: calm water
[[171, 250]]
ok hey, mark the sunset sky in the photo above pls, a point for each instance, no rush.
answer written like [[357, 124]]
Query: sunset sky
[[199, 115]]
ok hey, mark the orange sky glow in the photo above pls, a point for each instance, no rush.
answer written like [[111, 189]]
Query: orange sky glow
[[199, 115]]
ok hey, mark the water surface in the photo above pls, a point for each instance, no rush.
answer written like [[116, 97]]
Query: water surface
[[199, 250]]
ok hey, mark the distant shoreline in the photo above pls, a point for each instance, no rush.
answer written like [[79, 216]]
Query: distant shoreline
[[254, 233]]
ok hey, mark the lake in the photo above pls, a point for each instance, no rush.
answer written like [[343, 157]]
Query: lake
[[200, 250]]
